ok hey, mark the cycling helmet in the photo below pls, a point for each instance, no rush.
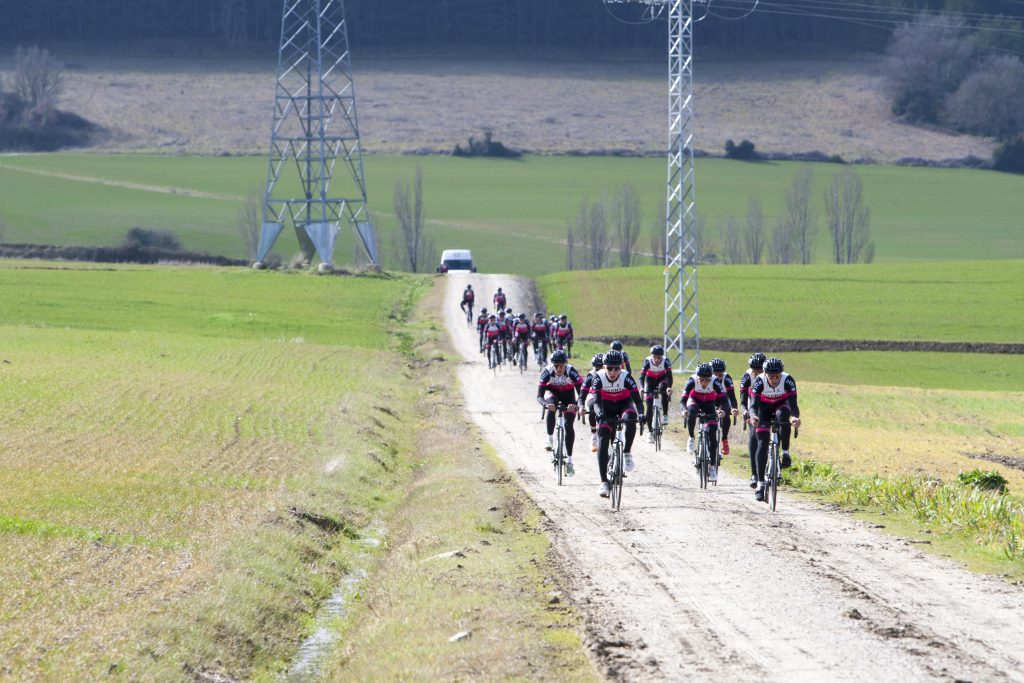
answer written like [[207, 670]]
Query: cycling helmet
[[492, 317], [522, 316], [483, 311], [559, 356], [538, 314], [563, 317], [718, 365], [469, 286], [613, 358], [509, 310], [657, 350], [704, 370], [756, 361], [616, 345], [598, 361], [773, 365], [499, 289]]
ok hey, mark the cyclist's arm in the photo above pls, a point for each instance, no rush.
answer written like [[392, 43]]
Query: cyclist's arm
[[595, 387], [791, 389], [731, 391], [634, 393]]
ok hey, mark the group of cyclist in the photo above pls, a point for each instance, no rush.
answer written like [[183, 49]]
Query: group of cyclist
[[609, 397], [504, 334]]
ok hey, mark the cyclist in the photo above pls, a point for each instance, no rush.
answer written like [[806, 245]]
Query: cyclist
[[756, 365], [559, 383], [704, 395], [656, 380], [718, 367], [499, 299], [617, 346], [539, 334], [597, 362], [773, 396], [492, 332], [614, 395], [505, 326], [481, 323], [468, 297], [521, 333], [563, 334]]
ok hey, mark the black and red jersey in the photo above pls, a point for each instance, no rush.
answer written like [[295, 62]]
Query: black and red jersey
[[563, 387], [468, 295], [614, 397], [540, 329], [500, 300], [711, 395], [730, 388], [653, 374], [782, 394], [521, 328]]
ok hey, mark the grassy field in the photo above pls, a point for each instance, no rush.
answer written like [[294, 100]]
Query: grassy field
[[193, 459], [513, 214]]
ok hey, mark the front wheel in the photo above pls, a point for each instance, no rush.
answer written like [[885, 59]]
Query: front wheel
[[559, 456], [703, 474], [616, 496]]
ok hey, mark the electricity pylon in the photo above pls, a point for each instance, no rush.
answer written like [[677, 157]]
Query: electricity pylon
[[314, 127]]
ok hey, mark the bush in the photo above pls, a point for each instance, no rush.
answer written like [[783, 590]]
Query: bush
[[1009, 156], [151, 239], [488, 147], [990, 101], [985, 480], [743, 151], [37, 77]]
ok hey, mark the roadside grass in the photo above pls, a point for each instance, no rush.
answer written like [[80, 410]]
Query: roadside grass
[[512, 214], [466, 552], [184, 488], [979, 301], [983, 528]]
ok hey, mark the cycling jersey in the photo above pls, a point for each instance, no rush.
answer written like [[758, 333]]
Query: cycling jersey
[[562, 387], [613, 397], [730, 388], [540, 330], [492, 331], [500, 300], [522, 330], [652, 374], [563, 333], [746, 384], [704, 397], [468, 295], [781, 395]]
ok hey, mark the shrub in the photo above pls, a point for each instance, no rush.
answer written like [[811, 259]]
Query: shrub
[[488, 147], [743, 151], [990, 101], [37, 77], [151, 239], [1009, 156], [985, 480]]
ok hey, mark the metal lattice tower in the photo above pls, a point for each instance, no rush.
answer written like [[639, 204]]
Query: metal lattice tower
[[682, 332], [315, 127]]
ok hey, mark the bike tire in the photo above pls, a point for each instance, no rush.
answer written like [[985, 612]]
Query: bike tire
[[559, 457], [656, 426], [703, 463], [772, 479], [616, 497]]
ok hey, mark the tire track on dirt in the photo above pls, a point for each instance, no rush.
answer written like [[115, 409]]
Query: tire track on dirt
[[685, 584]]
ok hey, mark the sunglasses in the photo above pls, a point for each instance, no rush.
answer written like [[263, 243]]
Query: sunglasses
[[612, 368]]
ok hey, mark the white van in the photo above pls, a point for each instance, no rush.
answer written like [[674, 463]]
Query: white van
[[456, 261]]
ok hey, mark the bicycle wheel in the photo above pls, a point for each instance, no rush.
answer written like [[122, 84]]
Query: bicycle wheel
[[771, 484], [656, 425], [559, 455], [703, 473], [616, 496]]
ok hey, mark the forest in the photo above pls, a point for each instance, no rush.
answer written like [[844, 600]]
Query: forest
[[513, 26]]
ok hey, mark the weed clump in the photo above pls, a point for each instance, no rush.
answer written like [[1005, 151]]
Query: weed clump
[[488, 147], [983, 480]]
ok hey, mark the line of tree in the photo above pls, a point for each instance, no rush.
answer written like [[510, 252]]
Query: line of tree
[[561, 24]]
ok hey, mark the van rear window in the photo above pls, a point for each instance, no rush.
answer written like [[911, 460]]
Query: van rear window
[[458, 264]]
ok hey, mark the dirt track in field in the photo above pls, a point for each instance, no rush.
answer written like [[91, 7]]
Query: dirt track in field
[[684, 584], [812, 345]]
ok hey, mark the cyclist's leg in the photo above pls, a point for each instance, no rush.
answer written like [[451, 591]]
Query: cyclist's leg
[[783, 415], [605, 436], [752, 444], [711, 434], [649, 406], [764, 433], [550, 419], [570, 428], [629, 417], [726, 425], [663, 388], [691, 421]]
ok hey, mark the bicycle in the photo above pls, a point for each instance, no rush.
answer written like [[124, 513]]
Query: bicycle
[[617, 461], [657, 429], [467, 306], [523, 356], [773, 469], [704, 452], [558, 459], [493, 356], [540, 352]]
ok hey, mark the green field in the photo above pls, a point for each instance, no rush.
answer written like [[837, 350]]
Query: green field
[[192, 458], [513, 214], [979, 301]]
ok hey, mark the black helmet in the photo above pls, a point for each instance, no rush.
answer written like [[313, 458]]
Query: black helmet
[[538, 314], [559, 356], [616, 345], [773, 365], [499, 289], [718, 365], [483, 311], [598, 361], [612, 358], [469, 286], [704, 370], [563, 317], [522, 316], [756, 361], [492, 317], [657, 350]]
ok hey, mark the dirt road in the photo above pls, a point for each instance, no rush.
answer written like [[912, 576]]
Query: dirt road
[[684, 584]]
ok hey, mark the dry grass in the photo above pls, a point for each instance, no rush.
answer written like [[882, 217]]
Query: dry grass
[[207, 106]]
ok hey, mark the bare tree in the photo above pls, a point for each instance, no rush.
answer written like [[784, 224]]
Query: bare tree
[[801, 218], [414, 251], [849, 220], [658, 237], [782, 248], [732, 241], [250, 220], [755, 236], [704, 246], [628, 217], [37, 77], [990, 101], [599, 240]]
